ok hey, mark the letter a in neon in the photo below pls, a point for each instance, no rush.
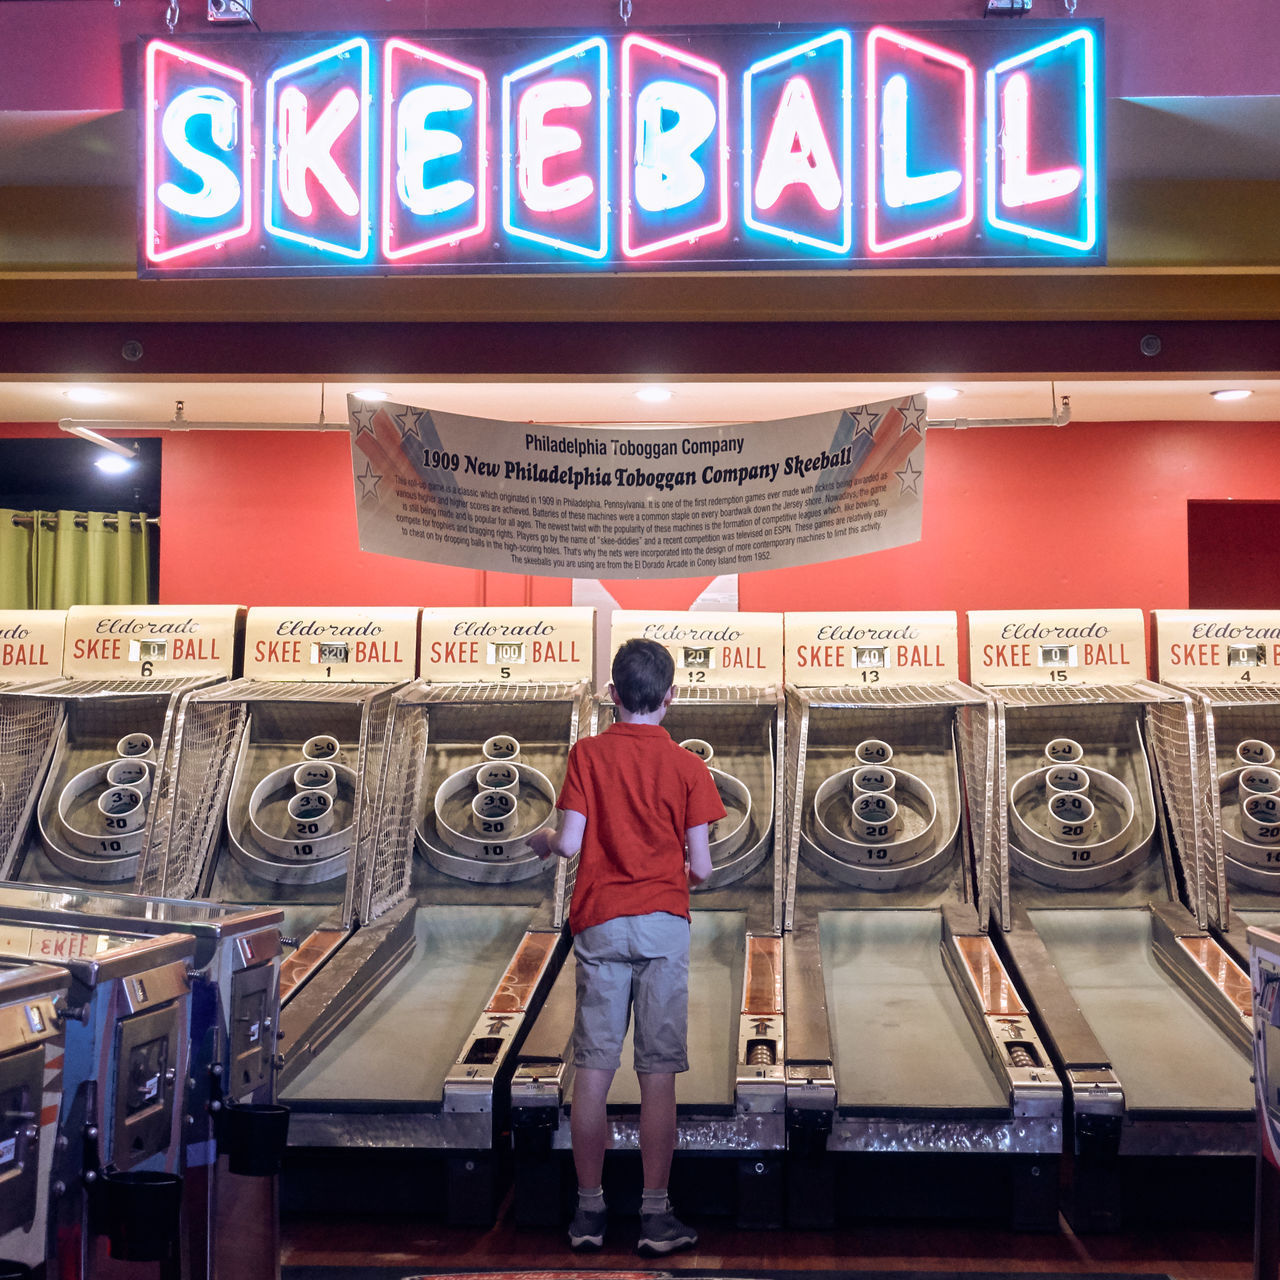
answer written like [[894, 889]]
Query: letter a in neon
[[797, 152]]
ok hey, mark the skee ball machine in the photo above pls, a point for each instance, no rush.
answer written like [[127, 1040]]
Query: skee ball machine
[[418, 1084], [103, 735], [234, 970], [1228, 663], [31, 1051], [730, 1103], [915, 1077], [30, 658], [233, 1133], [271, 803], [1147, 1020], [116, 1186], [1264, 968], [31, 645]]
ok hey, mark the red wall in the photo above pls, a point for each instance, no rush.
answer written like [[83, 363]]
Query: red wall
[[80, 55], [1090, 515]]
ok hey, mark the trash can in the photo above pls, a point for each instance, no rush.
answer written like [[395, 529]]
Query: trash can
[[140, 1214], [253, 1138]]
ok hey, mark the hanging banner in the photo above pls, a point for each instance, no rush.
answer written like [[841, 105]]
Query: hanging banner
[[637, 502]]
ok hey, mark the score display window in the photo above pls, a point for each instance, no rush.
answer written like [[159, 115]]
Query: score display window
[[507, 653], [870, 656], [1058, 655], [1246, 655], [148, 650], [330, 653], [699, 658]]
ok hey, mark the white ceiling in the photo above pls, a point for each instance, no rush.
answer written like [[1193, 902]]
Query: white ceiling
[[133, 403]]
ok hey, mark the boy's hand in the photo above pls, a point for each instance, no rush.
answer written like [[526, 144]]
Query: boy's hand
[[540, 842]]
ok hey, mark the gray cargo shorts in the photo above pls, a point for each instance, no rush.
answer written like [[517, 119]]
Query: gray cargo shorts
[[639, 962]]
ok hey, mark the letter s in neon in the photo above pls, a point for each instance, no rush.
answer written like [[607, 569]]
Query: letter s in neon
[[219, 187]]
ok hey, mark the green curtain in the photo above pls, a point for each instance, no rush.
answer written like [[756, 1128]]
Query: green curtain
[[49, 562]]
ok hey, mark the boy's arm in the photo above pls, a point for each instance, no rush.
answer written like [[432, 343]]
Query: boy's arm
[[698, 842], [565, 842]]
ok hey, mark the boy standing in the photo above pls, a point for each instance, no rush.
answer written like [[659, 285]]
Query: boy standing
[[633, 802]]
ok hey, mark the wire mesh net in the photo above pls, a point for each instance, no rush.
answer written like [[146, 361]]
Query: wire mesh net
[[84, 712], [907, 714], [192, 797], [208, 728], [444, 718], [1183, 778], [1225, 715], [982, 773], [1105, 714], [28, 724]]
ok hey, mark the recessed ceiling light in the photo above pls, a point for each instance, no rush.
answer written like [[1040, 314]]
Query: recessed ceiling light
[[653, 395], [1232, 393], [942, 393], [113, 465], [87, 395], [369, 393]]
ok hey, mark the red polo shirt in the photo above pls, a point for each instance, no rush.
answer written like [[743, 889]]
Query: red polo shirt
[[640, 792]]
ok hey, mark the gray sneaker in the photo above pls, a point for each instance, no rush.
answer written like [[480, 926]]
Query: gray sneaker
[[586, 1231], [664, 1233]]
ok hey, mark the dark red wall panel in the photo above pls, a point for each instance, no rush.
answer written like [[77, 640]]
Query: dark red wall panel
[[1233, 554]]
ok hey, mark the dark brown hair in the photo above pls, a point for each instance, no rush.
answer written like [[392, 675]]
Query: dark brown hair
[[642, 673]]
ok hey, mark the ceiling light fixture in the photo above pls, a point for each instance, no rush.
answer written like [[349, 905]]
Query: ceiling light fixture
[[653, 395], [112, 464], [121, 450], [87, 395], [1232, 393]]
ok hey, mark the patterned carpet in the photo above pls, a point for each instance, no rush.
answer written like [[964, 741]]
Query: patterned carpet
[[399, 1273]]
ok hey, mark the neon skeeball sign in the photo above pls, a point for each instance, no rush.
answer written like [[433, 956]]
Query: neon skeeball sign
[[715, 149]]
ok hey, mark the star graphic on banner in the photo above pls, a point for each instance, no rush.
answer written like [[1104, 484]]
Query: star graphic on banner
[[368, 481], [407, 421], [363, 418], [913, 418], [909, 478], [864, 422]]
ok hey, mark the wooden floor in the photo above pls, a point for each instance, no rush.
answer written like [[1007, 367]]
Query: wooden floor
[[1183, 1254]]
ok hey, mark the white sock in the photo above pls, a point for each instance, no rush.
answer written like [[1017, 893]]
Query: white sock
[[591, 1199], [654, 1201]]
